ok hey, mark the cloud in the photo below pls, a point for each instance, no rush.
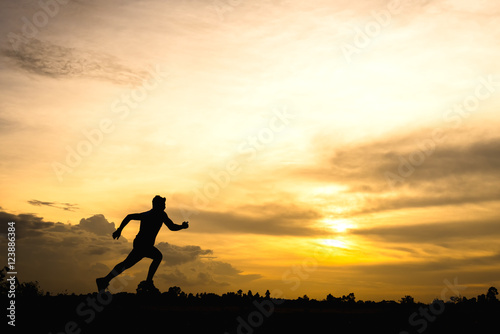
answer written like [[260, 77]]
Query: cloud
[[187, 269], [47, 59], [437, 232], [58, 205], [206, 274], [27, 225], [70, 257], [266, 218], [428, 173], [201, 279], [175, 255], [430, 271], [369, 161], [97, 224], [223, 268]]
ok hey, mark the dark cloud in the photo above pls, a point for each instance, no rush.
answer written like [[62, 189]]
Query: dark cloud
[[97, 224], [209, 273], [47, 59], [57, 205], [427, 198], [433, 232], [69, 257], [222, 268], [413, 170], [202, 279], [173, 277], [27, 225], [431, 270], [98, 250], [369, 161], [267, 218], [175, 255], [207, 279]]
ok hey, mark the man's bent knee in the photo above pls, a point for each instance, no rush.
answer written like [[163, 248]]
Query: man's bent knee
[[158, 257]]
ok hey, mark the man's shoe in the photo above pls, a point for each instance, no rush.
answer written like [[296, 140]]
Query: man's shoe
[[147, 288], [102, 284]]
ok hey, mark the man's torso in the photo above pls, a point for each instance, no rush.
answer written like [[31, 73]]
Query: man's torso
[[151, 222]]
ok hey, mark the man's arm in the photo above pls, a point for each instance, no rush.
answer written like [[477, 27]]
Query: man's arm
[[174, 227], [133, 216]]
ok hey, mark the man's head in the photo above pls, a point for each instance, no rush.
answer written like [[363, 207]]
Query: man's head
[[159, 202]]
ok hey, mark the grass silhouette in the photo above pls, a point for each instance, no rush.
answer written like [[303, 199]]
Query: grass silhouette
[[174, 311]]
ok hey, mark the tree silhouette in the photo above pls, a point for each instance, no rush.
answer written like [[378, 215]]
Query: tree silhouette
[[305, 298], [481, 298], [30, 289], [350, 298], [457, 299], [26, 289], [331, 299], [491, 295], [3, 283], [174, 291], [146, 289], [407, 300]]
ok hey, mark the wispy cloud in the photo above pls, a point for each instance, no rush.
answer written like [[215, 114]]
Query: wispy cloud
[[57, 205], [436, 232], [265, 219], [456, 171], [57, 61]]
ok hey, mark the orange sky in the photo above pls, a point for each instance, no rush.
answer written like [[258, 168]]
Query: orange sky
[[315, 148]]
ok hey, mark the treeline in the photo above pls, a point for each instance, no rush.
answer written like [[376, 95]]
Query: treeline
[[175, 295], [25, 289]]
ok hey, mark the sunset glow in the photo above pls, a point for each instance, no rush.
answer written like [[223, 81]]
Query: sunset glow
[[358, 140]]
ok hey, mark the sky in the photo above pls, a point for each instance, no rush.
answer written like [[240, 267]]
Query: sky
[[315, 148]]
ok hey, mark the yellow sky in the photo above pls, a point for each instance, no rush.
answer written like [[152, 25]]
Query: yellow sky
[[317, 148]]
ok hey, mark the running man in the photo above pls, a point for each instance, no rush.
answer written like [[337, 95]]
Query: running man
[[143, 246]]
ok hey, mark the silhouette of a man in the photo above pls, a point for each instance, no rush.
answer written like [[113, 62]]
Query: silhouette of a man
[[143, 246]]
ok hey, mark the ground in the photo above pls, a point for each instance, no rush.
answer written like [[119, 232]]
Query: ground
[[132, 313]]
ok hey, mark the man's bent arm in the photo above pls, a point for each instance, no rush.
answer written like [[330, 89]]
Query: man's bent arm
[[174, 227], [133, 216]]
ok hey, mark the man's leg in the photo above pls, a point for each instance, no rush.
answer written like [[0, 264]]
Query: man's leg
[[134, 257], [156, 255]]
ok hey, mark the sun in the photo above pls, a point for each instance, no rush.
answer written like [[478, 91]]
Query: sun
[[339, 225], [334, 243]]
